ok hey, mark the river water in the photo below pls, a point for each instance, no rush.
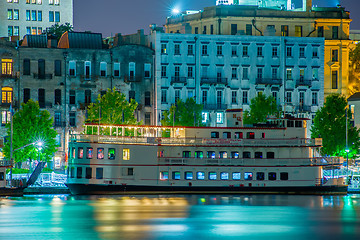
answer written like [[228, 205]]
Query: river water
[[180, 217]]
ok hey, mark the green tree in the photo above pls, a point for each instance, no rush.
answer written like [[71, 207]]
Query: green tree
[[31, 125], [330, 125], [58, 30], [187, 113], [113, 108], [260, 108]]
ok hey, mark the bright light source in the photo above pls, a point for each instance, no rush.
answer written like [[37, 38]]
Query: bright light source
[[39, 143], [347, 150], [175, 11]]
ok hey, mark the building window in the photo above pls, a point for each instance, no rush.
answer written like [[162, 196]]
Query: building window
[[205, 117], [57, 120], [57, 97], [99, 173], [148, 119], [274, 73], [147, 99], [212, 175], [315, 52], [87, 70], [163, 48], [335, 32], [176, 175], [234, 51], [245, 97], [270, 155], [132, 70], [288, 98], [177, 72], [315, 73], [41, 97], [89, 153], [284, 30], [219, 98], [234, 29], [200, 175], [100, 153], [177, 49], [334, 79], [57, 16], [28, 17], [219, 50], [259, 51], [131, 95], [190, 49], [234, 97], [163, 71], [147, 70], [10, 31], [234, 72], [16, 31], [88, 173], [57, 68], [289, 51], [204, 97], [245, 73], [245, 51], [177, 95], [190, 72], [272, 176], [248, 176], [302, 52], [126, 154], [51, 16], [288, 74], [6, 95], [6, 66], [301, 98], [111, 153], [103, 69], [116, 69], [72, 68], [259, 73], [41, 69], [188, 175], [5, 117], [248, 30], [334, 55], [204, 50], [39, 15], [320, 31], [284, 176], [164, 175], [163, 96], [274, 51], [72, 97], [260, 176], [298, 31], [87, 99], [314, 98], [26, 95], [196, 30], [212, 29], [220, 117], [236, 176], [302, 74], [9, 14]]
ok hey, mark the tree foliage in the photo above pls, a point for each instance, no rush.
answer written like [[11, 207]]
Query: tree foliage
[[260, 108], [330, 125], [354, 70], [187, 113], [31, 125], [58, 30], [112, 108]]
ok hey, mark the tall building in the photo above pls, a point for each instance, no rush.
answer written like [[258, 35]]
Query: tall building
[[330, 23], [21, 17]]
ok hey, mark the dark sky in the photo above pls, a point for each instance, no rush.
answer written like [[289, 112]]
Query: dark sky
[[127, 16]]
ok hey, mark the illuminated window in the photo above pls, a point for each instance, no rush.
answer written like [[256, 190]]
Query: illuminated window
[[298, 31], [200, 175], [211, 154], [147, 70], [126, 154], [72, 68], [163, 48], [176, 175], [89, 153], [87, 69], [205, 116], [116, 69], [57, 2], [10, 14], [248, 176], [80, 152], [238, 135], [223, 154], [100, 153], [5, 117], [111, 154], [236, 176], [220, 117], [164, 175], [39, 1], [16, 31], [186, 154], [212, 175], [10, 31], [103, 68], [33, 31], [51, 2], [188, 175], [234, 154], [199, 154], [6, 66], [224, 176], [57, 16], [6, 94]]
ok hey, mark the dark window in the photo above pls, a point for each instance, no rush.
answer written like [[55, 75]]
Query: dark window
[[72, 172], [234, 29], [204, 32], [250, 135], [246, 155], [41, 97], [57, 68], [186, 154], [212, 29], [41, 68], [196, 30], [148, 119], [238, 135], [72, 97], [298, 124], [334, 57], [88, 173], [334, 80], [99, 173], [130, 171], [2, 176], [258, 154], [131, 95], [260, 176], [248, 30], [284, 30], [214, 134], [57, 97], [321, 31], [26, 67], [335, 32], [284, 176], [87, 96], [272, 176], [147, 99], [226, 134], [270, 155], [79, 172], [26, 95], [290, 123], [72, 119]]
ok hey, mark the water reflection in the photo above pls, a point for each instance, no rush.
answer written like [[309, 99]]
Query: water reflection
[[180, 217]]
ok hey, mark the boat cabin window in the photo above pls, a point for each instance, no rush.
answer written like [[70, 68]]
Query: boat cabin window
[[188, 175], [100, 153], [73, 152], [272, 176], [130, 171], [161, 153], [80, 152], [298, 124], [214, 134], [246, 155], [238, 135], [210, 154], [200, 175], [223, 154], [164, 175], [260, 176], [270, 155], [212, 175], [2, 176], [258, 154], [199, 154], [248, 176], [72, 172], [88, 173], [176, 175], [262, 135], [186, 154], [236, 176], [224, 176], [99, 173], [234, 154], [89, 153], [126, 154], [250, 135], [111, 153], [290, 123], [79, 172], [284, 176], [226, 135]]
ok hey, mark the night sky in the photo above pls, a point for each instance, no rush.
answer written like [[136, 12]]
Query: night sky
[[127, 16]]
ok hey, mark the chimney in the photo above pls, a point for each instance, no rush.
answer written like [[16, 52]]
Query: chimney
[[307, 5]]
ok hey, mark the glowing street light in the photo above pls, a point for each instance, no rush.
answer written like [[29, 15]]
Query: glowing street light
[[176, 11]]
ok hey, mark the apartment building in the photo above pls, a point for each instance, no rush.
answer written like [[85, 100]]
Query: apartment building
[[21, 17]]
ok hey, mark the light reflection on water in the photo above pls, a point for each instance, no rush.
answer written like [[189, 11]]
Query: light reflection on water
[[180, 217]]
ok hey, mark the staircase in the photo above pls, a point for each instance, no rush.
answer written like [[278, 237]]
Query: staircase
[[34, 176]]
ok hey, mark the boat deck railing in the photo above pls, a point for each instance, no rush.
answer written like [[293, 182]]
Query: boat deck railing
[[320, 161], [195, 141]]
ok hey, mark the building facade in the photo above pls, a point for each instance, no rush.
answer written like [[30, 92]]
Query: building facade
[[21, 17], [226, 72], [331, 23]]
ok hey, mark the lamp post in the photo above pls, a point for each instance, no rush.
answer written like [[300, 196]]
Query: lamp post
[[347, 150]]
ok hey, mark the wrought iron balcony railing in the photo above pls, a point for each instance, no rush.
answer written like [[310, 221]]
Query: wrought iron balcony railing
[[269, 81], [217, 80]]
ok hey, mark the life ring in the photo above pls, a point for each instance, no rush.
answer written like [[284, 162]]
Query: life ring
[[238, 118]]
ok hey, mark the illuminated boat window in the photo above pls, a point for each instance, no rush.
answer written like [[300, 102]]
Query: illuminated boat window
[[260, 176], [80, 152], [186, 154], [250, 135], [238, 135], [164, 175], [248, 176], [224, 176], [199, 154], [210, 154], [226, 135], [89, 153], [200, 175], [284, 176], [126, 154], [236, 176], [176, 175], [214, 134], [212, 175], [73, 152], [100, 153], [223, 154], [188, 175], [234, 154], [111, 153], [272, 176]]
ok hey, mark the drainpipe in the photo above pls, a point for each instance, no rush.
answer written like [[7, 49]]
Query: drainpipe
[[65, 104]]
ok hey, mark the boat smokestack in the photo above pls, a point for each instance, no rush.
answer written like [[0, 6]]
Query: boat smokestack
[[307, 5]]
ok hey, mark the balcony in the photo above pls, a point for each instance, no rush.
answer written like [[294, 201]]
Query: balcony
[[42, 76], [7, 76], [206, 80], [128, 79], [215, 106], [269, 81], [304, 108], [178, 80], [301, 82]]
